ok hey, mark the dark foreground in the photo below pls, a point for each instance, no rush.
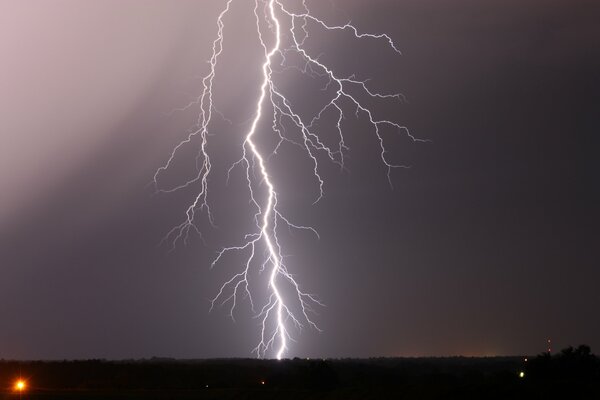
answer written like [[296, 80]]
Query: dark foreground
[[574, 375]]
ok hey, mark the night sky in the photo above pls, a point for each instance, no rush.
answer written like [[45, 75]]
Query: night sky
[[488, 245]]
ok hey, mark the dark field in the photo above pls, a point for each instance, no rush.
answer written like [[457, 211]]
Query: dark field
[[572, 375]]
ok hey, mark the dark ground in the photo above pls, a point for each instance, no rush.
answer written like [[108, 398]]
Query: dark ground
[[573, 374]]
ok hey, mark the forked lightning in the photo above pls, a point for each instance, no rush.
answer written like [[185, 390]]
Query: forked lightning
[[276, 20]]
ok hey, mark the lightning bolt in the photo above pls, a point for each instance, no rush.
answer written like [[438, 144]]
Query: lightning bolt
[[287, 304]]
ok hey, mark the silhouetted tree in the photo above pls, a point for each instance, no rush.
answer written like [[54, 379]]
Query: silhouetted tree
[[575, 365]]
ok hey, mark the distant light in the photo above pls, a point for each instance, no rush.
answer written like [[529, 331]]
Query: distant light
[[262, 382], [525, 359], [20, 385], [521, 374]]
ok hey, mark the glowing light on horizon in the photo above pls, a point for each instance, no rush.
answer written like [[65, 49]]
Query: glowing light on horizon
[[20, 385], [275, 19]]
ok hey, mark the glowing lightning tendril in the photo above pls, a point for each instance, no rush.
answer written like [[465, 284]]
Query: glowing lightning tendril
[[275, 314]]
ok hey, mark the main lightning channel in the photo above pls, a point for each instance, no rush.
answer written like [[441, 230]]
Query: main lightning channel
[[271, 200]]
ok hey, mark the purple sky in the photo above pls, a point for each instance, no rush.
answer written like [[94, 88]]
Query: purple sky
[[487, 245]]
